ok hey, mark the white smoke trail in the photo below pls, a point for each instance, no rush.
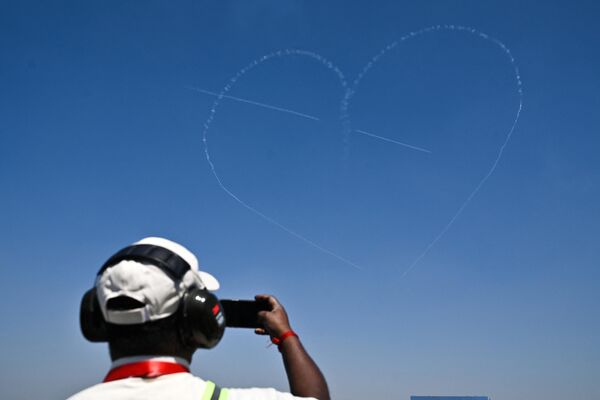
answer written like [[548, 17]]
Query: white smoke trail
[[303, 115], [256, 103], [437, 28], [223, 94], [410, 146], [345, 119]]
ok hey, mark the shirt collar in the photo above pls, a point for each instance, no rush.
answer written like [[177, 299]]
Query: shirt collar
[[128, 360]]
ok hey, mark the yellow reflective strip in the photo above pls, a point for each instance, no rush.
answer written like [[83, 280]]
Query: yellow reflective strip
[[224, 394], [208, 391]]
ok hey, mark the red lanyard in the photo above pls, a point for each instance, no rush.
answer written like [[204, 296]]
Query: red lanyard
[[144, 369]]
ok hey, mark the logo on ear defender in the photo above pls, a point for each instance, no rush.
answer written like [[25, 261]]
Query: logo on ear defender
[[200, 298]]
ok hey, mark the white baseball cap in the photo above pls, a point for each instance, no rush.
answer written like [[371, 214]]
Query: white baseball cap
[[149, 285]]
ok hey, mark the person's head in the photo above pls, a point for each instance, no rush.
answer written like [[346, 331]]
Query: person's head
[[142, 301]]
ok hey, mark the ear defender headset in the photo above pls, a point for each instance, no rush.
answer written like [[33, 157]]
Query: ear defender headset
[[200, 319]]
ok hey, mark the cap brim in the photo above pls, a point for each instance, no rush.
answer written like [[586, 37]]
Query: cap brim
[[209, 281]]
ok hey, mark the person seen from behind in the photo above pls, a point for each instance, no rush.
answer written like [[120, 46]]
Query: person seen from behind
[[155, 308]]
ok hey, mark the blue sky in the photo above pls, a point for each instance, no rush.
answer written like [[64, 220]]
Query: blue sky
[[101, 145]]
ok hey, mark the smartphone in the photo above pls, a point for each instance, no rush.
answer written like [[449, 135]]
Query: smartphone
[[243, 313]]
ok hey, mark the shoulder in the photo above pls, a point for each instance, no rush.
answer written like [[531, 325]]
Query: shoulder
[[87, 394], [261, 394], [182, 386]]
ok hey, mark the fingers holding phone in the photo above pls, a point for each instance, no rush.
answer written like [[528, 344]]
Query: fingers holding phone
[[264, 314], [274, 320]]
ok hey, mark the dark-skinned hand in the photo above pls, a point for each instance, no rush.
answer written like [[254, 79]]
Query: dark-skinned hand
[[275, 321]]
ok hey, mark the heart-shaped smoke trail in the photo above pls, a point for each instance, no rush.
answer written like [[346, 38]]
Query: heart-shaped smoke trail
[[349, 93], [519, 86]]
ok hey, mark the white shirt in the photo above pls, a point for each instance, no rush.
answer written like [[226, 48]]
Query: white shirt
[[180, 386]]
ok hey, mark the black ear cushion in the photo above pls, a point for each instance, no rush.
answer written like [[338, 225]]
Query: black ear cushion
[[201, 319], [91, 319]]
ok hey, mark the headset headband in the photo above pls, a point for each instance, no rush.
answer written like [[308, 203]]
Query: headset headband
[[168, 261]]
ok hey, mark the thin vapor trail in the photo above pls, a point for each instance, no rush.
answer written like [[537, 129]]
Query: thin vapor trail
[[299, 114], [472, 194], [216, 103], [256, 103], [519, 84], [286, 229], [410, 146]]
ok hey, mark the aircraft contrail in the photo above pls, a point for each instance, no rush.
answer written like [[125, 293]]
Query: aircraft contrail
[[256, 103], [410, 146], [299, 114]]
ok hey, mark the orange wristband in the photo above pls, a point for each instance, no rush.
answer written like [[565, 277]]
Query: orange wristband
[[279, 340]]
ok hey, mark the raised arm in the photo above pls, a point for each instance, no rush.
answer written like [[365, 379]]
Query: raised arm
[[304, 376]]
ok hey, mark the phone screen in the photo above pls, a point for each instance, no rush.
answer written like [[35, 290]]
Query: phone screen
[[243, 313]]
